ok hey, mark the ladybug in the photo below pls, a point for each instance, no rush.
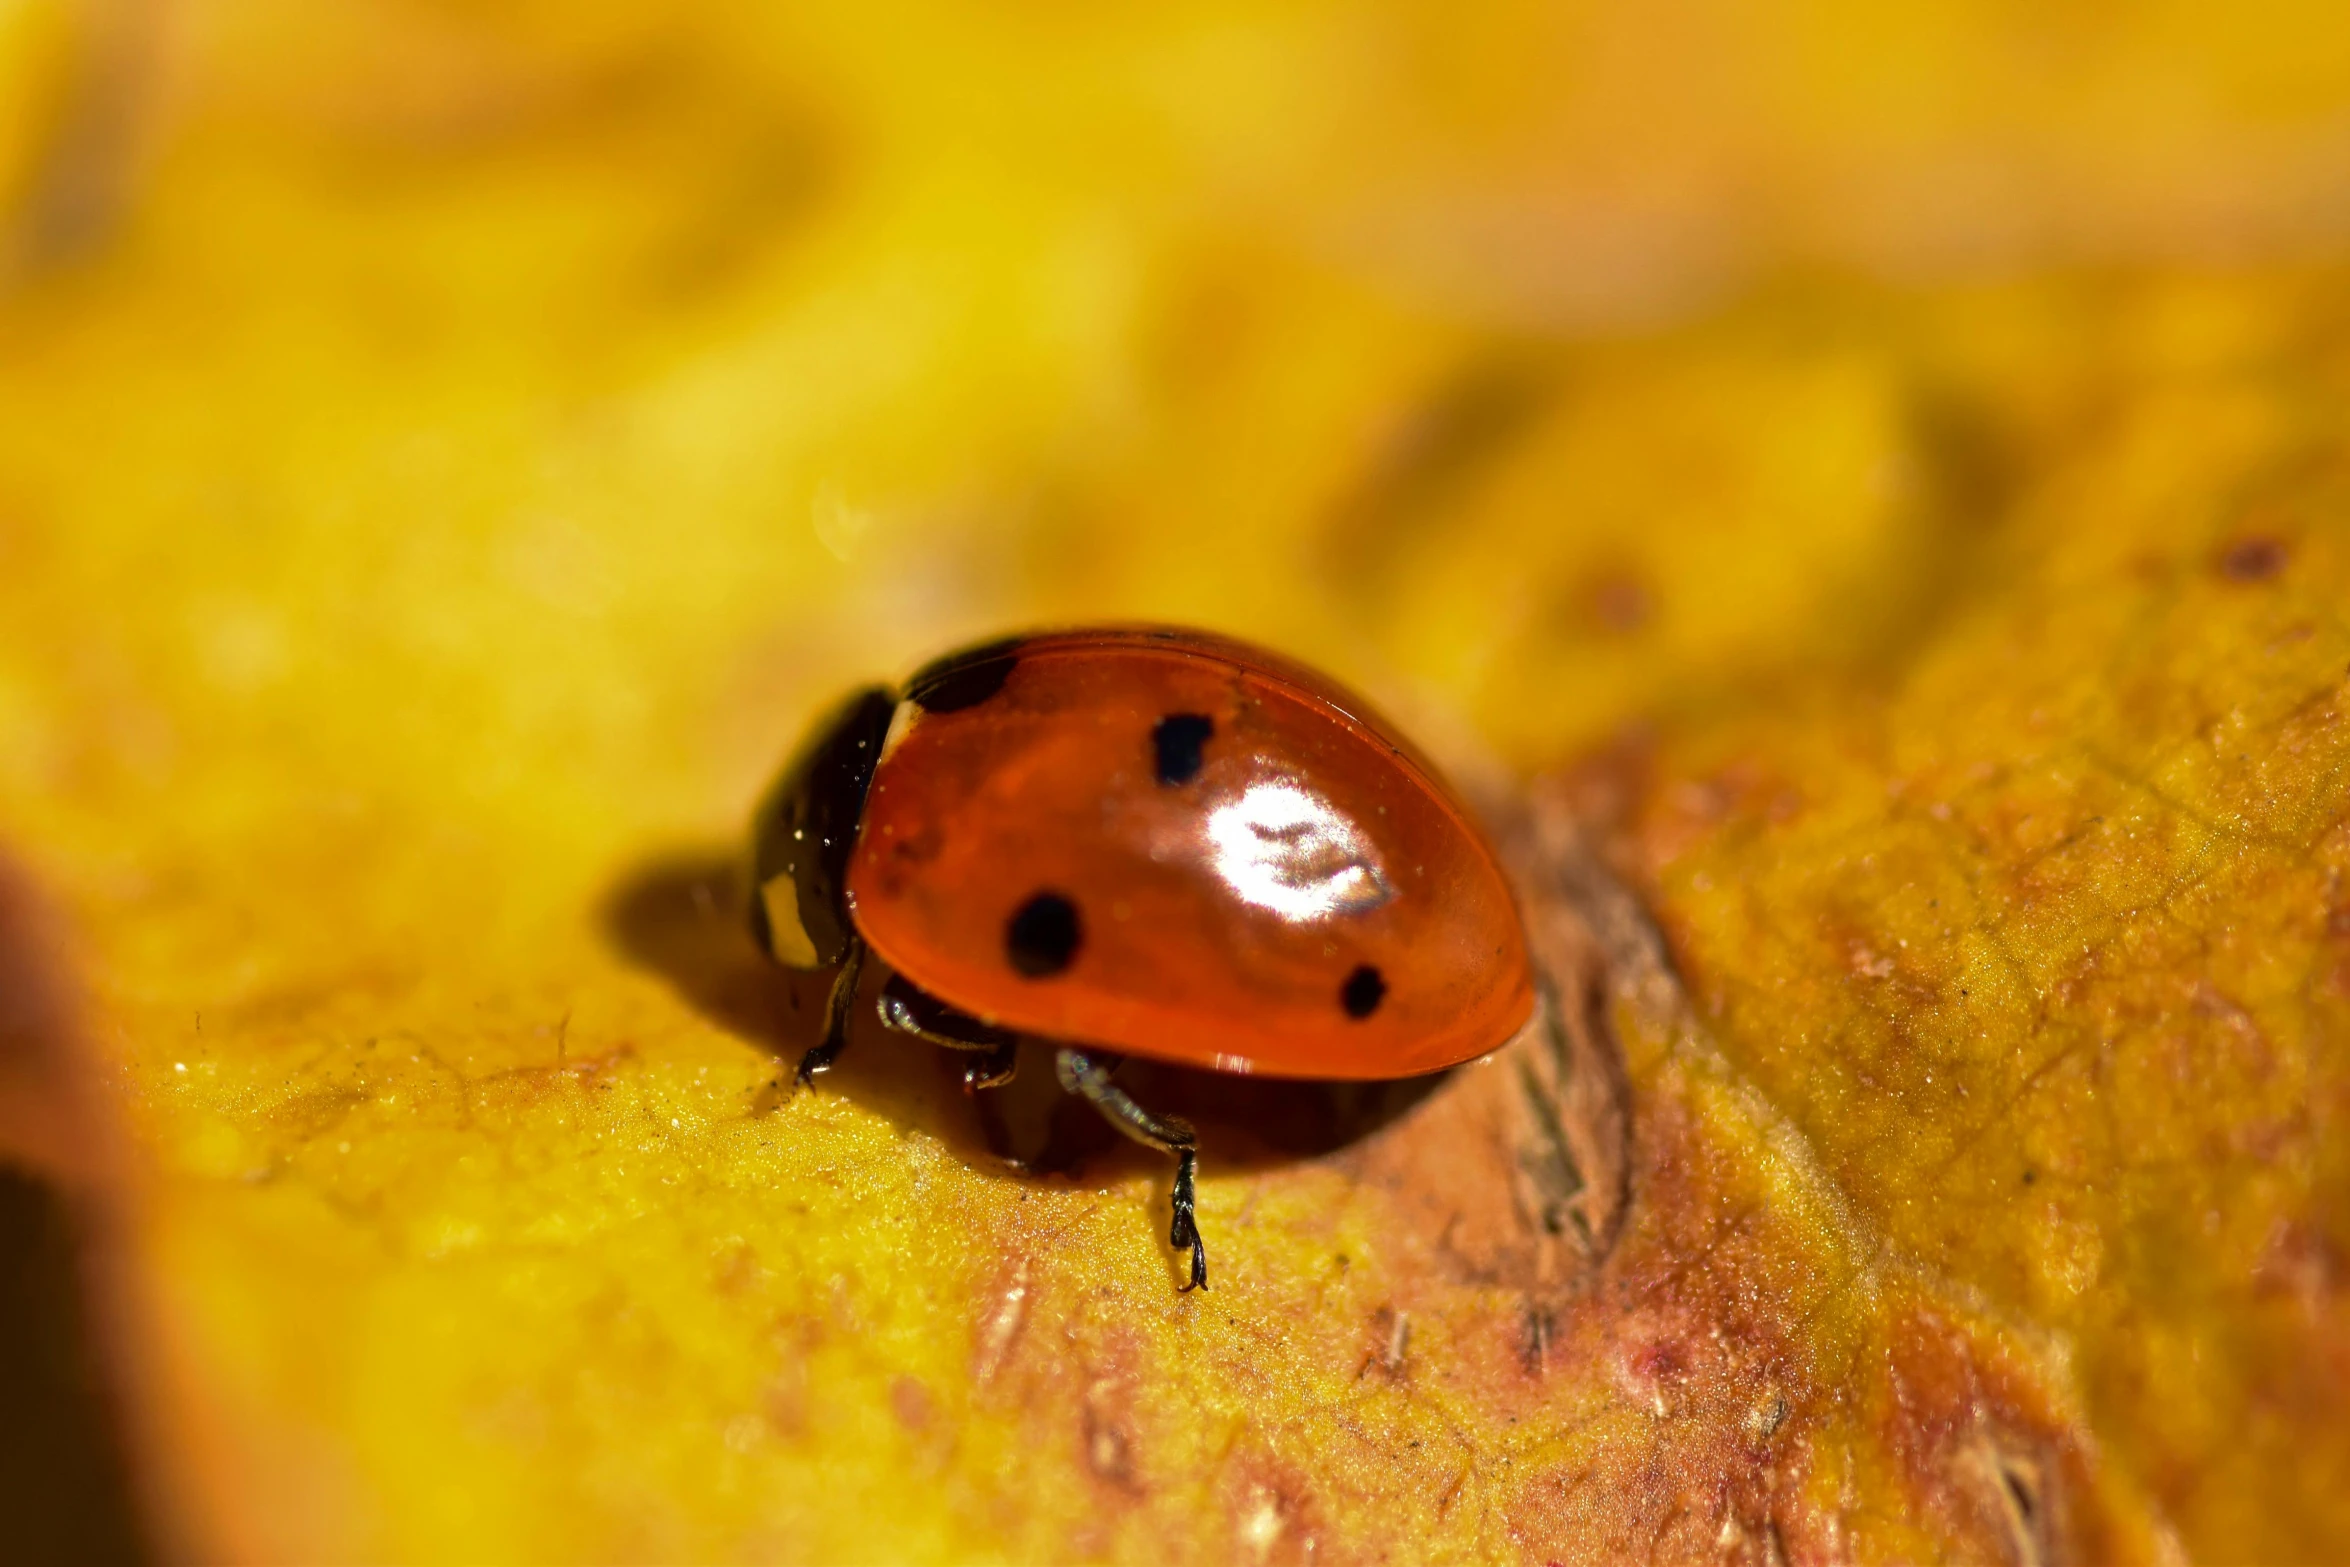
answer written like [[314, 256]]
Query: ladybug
[[1139, 841]]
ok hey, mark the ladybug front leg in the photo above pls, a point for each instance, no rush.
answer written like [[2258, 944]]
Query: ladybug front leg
[[836, 1014], [1088, 1076]]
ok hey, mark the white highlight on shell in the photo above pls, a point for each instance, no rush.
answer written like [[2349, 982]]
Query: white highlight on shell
[[1283, 847]]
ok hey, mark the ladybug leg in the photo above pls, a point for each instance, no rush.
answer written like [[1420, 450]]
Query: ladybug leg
[[1088, 1077], [836, 1015], [1184, 1232], [992, 1068], [908, 1010]]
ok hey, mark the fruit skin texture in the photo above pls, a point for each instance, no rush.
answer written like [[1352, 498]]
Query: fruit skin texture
[[1298, 867]]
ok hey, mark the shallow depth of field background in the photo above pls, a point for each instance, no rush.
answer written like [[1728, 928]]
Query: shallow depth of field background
[[448, 450]]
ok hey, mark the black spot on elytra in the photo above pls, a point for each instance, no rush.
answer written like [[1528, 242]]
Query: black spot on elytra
[[1177, 743], [1043, 935], [964, 679], [1364, 989]]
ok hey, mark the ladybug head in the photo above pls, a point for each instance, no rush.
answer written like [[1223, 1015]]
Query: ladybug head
[[805, 828]]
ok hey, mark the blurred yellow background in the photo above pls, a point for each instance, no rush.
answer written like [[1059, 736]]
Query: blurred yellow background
[[448, 450]]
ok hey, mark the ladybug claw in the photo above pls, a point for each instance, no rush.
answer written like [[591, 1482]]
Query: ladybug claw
[[993, 1069], [1089, 1076], [1184, 1232], [1199, 1267]]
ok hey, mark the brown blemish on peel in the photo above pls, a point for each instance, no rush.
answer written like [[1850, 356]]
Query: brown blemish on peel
[[912, 1404], [2255, 559], [1983, 1449]]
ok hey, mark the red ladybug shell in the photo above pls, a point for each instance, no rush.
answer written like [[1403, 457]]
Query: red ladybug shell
[[1225, 917]]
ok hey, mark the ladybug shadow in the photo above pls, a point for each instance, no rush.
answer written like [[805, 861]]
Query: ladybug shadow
[[679, 916]]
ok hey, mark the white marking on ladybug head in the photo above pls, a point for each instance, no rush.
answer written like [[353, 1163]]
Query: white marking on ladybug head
[[901, 724], [787, 937], [1283, 847]]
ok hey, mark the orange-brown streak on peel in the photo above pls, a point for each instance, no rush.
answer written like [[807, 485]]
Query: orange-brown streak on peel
[[2035, 949]]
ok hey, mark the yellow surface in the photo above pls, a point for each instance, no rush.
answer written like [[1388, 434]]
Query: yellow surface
[[483, 436]]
